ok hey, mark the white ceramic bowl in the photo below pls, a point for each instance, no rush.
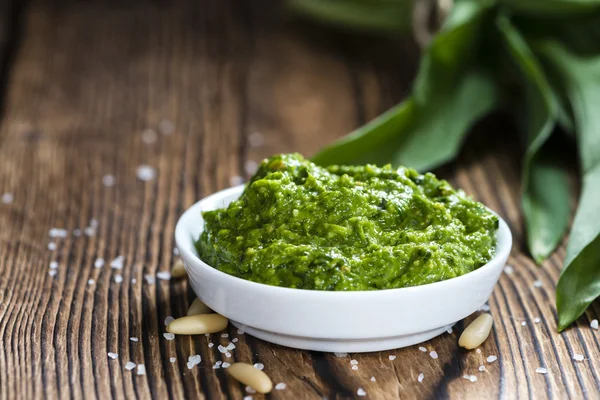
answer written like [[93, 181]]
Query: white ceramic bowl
[[358, 321]]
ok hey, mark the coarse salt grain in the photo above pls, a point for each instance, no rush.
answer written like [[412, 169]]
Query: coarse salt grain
[[168, 320], [94, 223], [466, 377], [240, 331], [141, 369], [99, 263], [421, 377], [578, 357], [537, 320], [353, 362], [117, 263], [169, 335], [145, 173], [433, 355], [91, 281], [228, 354], [114, 356], [354, 367], [225, 335], [541, 370], [196, 359], [449, 331], [482, 368], [423, 349], [234, 340], [222, 349], [537, 284], [149, 136], [210, 344], [53, 264], [118, 278], [89, 231], [130, 365], [51, 246], [247, 398], [280, 386], [225, 364], [473, 378], [58, 233], [172, 359], [523, 323], [341, 355], [250, 389], [485, 308], [52, 272], [594, 324], [236, 180], [391, 358], [230, 346], [259, 366], [164, 275], [133, 281], [166, 127], [7, 198], [478, 351], [361, 392], [491, 359], [108, 180], [373, 379], [509, 270], [190, 365], [133, 339], [149, 279]]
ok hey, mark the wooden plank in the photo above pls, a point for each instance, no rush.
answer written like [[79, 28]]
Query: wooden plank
[[238, 84]]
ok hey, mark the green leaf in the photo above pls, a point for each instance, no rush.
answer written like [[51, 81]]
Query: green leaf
[[427, 129], [378, 16], [579, 283], [545, 190], [551, 8]]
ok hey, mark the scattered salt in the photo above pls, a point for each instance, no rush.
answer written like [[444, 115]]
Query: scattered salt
[[537, 320], [130, 365], [509, 270], [361, 392], [114, 356], [94, 223], [7, 198], [234, 340], [482, 368], [117, 263], [250, 389], [228, 354], [149, 279], [594, 324], [166, 127], [230, 346], [373, 379], [433, 355], [421, 377], [537, 284], [145, 173], [91, 281], [108, 180], [449, 331], [133, 339], [247, 398], [58, 233], [491, 359], [259, 366], [168, 320], [222, 349], [354, 367], [225, 364], [578, 357], [141, 369], [190, 365], [164, 275], [196, 359], [172, 359], [51, 246], [169, 335], [99, 263], [53, 265], [225, 335], [280, 386], [210, 344], [523, 323], [353, 362], [392, 358], [478, 351], [484, 307], [149, 136], [341, 355], [473, 378], [118, 278], [240, 331], [541, 370], [423, 349], [52, 272], [133, 281], [89, 231]]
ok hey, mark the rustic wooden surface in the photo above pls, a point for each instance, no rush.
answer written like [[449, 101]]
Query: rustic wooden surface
[[82, 80]]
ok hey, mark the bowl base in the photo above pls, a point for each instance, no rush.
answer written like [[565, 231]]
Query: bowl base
[[342, 345]]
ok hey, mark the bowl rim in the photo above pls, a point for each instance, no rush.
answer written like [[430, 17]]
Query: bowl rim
[[183, 239]]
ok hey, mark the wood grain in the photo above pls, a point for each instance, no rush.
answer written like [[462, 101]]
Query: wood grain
[[239, 81]]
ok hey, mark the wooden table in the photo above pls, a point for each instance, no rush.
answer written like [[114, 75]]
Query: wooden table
[[239, 81]]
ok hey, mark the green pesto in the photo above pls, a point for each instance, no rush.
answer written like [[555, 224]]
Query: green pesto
[[347, 228]]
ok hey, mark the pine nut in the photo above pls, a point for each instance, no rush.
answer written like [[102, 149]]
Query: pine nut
[[251, 376], [198, 307], [477, 332], [178, 270], [198, 324]]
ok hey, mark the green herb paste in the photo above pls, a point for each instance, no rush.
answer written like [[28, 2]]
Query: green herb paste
[[347, 228]]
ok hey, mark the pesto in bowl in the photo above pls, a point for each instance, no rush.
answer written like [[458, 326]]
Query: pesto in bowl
[[343, 228]]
